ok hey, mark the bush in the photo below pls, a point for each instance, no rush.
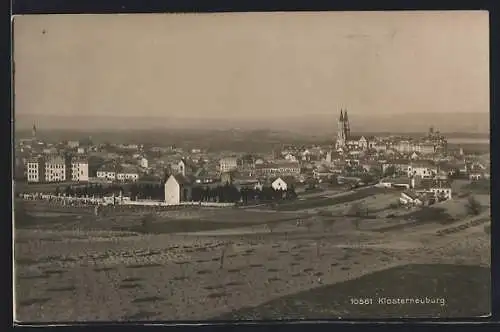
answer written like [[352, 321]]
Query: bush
[[430, 214], [473, 206], [487, 229], [393, 206], [356, 223]]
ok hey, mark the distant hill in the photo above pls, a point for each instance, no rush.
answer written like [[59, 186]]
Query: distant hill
[[307, 124]]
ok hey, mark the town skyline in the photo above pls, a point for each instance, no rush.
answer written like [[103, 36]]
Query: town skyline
[[251, 166], [321, 124], [267, 64]]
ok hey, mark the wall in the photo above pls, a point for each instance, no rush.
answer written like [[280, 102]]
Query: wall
[[172, 192]]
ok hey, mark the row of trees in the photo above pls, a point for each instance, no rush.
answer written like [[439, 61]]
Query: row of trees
[[231, 194], [147, 191], [96, 190], [224, 194]]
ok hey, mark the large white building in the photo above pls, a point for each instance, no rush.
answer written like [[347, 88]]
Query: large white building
[[422, 168], [35, 170], [177, 189], [127, 175], [56, 169], [278, 169], [440, 189], [228, 164], [106, 172], [279, 184], [79, 169]]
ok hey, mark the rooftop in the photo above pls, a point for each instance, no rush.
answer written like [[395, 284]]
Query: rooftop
[[410, 194], [279, 164]]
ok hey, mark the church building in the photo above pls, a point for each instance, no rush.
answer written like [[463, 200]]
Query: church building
[[343, 131]]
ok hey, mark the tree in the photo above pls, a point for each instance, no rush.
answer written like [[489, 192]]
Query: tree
[[390, 171], [376, 171], [473, 206], [291, 194], [441, 197]]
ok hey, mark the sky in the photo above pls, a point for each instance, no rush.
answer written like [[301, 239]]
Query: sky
[[251, 65]]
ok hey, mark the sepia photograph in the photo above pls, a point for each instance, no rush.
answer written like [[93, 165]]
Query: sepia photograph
[[251, 166]]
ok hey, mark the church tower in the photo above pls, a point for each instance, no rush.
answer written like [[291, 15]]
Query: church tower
[[341, 138], [33, 132], [347, 127]]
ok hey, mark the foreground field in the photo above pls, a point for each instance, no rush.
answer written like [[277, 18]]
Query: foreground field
[[77, 267], [439, 286]]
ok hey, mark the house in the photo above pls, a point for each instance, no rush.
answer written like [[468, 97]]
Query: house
[[228, 164], [290, 157], [462, 167], [403, 146], [423, 168], [400, 166], [440, 189], [127, 174], [245, 181], [227, 178], [203, 175], [371, 166], [380, 146], [400, 182], [475, 176], [323, 172], [328, 157], [186, 167], [246, 162], [415, 155], [81, 151], [178, 188], [426, 148], [73, 144], [447, 169], [107, 172], [351, 162], [143, 162], [371, 142], [332, 157], [278, 169], [361, 142], [279, 184], [79, 169], [410, 198], [50, 151]]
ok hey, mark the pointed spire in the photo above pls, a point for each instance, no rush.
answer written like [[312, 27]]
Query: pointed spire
[[345, 115], [341, 115]]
